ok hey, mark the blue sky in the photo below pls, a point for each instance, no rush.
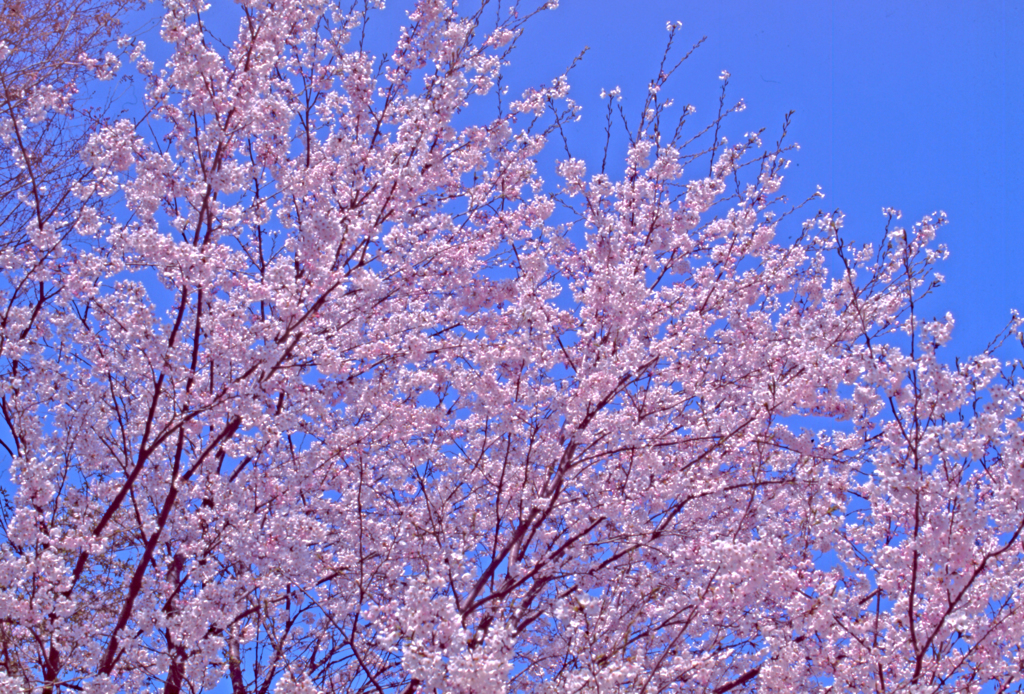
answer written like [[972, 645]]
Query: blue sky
[[914, 105]]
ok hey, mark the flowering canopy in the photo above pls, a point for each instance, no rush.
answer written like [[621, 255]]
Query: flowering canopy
[[318, 389]]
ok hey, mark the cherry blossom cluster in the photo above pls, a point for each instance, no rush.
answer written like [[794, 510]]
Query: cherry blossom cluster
[[320, 389]]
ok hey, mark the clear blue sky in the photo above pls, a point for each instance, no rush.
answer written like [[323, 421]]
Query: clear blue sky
[[910, 104]]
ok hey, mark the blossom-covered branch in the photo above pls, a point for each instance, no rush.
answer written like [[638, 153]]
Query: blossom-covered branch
[[313, 387]]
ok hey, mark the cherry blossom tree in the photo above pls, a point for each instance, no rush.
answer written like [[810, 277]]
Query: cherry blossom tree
[[331, 392], [47, 47]]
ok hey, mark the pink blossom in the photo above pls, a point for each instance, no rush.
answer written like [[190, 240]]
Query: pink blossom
[[335, 393]]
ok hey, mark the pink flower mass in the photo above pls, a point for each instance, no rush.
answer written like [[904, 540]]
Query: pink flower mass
[[312, 384]]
